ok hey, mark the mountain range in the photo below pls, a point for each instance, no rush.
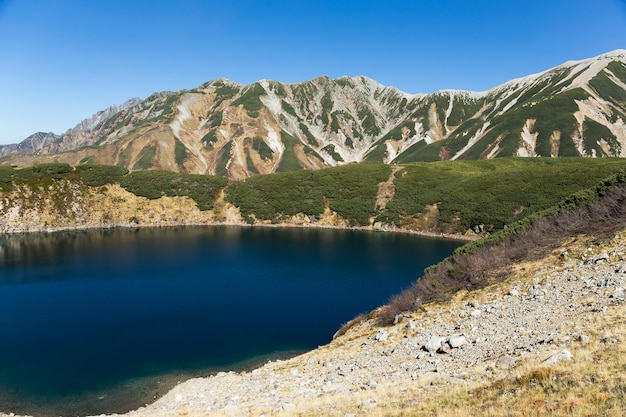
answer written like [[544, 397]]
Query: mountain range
[[235, 130]]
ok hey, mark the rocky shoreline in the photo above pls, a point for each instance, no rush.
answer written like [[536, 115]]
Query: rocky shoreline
[[26, 210], [540, 315]]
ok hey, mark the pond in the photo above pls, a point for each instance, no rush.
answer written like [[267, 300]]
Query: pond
[[106, 321]]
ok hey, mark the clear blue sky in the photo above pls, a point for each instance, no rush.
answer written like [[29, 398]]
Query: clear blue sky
[[63, 60]]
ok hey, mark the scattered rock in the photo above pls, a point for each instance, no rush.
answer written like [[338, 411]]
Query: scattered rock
[[411, 325], [457, 341], [618, 293], [582, 338], [382, 335], [369, 403], [603, 257], [434, 344], [563, 355], [475, 313], [288, 407], [506, 362], [445, 348], [514, 292]]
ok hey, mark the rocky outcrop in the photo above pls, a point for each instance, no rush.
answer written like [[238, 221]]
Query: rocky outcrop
[[70, 205]]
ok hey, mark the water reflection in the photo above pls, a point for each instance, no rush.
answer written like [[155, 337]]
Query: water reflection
[[86, 311]]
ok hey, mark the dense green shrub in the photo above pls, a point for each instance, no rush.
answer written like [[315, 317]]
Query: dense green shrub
[[97, 175], [350, 190], [492, 193], [51, 170], [289, 162], [203, 189], [6, 174]]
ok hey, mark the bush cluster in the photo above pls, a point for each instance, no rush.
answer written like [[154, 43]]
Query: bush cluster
[[491, 193], [349, 190], [152, 184], [98, 175]]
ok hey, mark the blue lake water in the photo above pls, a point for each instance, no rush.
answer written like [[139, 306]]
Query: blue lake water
[[105, 321]]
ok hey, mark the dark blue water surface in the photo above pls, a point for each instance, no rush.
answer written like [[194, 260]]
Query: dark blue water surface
[[104, 321]]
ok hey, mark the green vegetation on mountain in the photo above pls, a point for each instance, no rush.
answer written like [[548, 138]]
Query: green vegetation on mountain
[[203, 189], [251, 99], [606, 87], [98, 175], [594, 134], [210, 138], [224, 91], [259, 145], [180, 152], [491, 193], [224, 158], [146, 160], [349, 190], [289, 162], [463, 109], [288, 108], [330, 149], [450, 197]]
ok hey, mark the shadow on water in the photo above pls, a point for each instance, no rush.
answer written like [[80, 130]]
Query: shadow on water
[[105, 321]]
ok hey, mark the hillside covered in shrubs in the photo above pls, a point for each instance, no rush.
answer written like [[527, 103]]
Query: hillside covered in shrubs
[[454, 197]]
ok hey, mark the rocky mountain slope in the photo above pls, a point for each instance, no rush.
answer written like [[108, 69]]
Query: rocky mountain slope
[[226, 128]]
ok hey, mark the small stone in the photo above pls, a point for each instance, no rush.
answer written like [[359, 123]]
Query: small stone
[[457, 341], [506, 362], [445, 348], [371, 402], [230, 407], [289, 408], [514, 292], [420, 355], [475, 313], [381, 336], [434, 343], [411, 325], [583, 338], [563, 355], [603, 257], [618, 293]]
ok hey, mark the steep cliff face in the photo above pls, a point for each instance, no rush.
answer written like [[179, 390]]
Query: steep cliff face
[[226, 128]]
